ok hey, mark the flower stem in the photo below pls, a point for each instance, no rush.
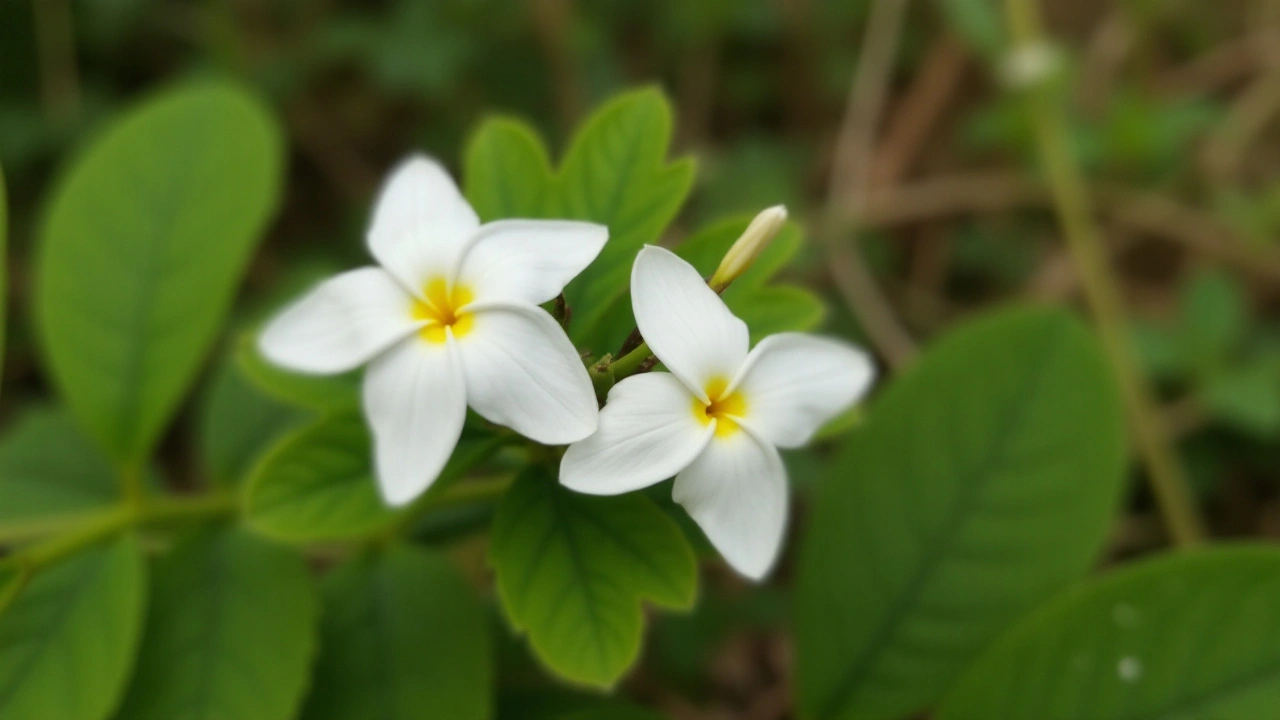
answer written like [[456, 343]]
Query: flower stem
[[1075, 214], [628, 364]]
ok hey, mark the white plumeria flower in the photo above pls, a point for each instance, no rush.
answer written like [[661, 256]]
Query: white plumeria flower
[[716, 419], [450, 319]]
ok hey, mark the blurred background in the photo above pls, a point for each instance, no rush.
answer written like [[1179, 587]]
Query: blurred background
[[933, 212]]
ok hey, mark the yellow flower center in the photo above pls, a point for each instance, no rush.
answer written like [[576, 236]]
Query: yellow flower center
[[722, 408], [441, 311]]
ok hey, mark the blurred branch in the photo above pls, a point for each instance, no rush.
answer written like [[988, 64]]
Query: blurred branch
[[1076, 216], [932, 89], [1103, 58], [850, 181], [55, 40], [332, 154], [1000, 190]]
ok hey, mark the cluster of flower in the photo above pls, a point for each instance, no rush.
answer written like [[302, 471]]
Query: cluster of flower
[[451, 317]]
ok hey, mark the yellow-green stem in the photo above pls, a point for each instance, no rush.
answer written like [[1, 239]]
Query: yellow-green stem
[[628, 364], [1076, 216]]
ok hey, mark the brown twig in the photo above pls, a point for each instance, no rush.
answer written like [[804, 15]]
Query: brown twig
[[990, 191], [850, 182]]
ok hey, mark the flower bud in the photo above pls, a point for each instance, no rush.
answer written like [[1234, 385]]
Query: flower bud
[[744, 252]]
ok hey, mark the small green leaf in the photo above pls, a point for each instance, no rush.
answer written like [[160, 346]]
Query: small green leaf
[[573, 571], [230, 632], [317, 484], [1193, 635], [616, 173], [67, 641], [314, 392], [145, 242], [766, 308], [403, 638], [983, 482], [1247, 397], [238, 423], [1214, 319], [507, 173], [50, 470]]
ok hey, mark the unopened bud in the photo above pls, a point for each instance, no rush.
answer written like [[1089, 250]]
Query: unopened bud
[[744, 252]]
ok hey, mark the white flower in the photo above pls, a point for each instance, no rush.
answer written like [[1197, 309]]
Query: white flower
[[716, 420], [450, 319]]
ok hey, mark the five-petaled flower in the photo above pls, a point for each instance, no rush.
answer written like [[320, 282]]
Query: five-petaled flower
[[450, 319], [714, 421]]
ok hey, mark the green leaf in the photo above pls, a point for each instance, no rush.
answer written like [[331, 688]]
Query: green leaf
[[767, 309], [1193, 635], [979, 23], [317, 483], [146, 240], [983, 482], [314, 392], [67, 642], [616, 173], [50, 472], [1214, 318], [573, 571], [230, 632], [507, 173], [1247, 397], [403, 638], [238, 423]]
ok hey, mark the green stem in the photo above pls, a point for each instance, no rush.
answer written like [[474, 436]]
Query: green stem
[[628, 364], [1075, 214]]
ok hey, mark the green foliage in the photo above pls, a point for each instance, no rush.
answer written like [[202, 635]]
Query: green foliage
[[573, 571], [983, 482], [1184, 636], [314, 392], [145, 242], [238, 423], [614, 173], [67, 641], [767, 309], [402, 638], [4, 265], [317, 484], [229, 634], [50, 470]]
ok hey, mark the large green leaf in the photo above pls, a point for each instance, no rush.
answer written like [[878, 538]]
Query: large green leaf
[[983, 482], [766, 308], [507, 173], [145, 242], [50, 473], [317, 483], [573, 571], [615, 173], [326, 393], [239, 422], [67, 642], [402, 638], [230, 632], [1186, 637]]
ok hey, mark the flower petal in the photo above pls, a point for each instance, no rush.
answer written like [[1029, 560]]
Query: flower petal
[[736, 491], [647, 433], [421, 223], [684, 322], [340, 324], [522, 372], [793, 383], [415, 401], [528, 261]]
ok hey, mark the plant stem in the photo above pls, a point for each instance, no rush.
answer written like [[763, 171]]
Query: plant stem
[[1075, 214], [628, 364]]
